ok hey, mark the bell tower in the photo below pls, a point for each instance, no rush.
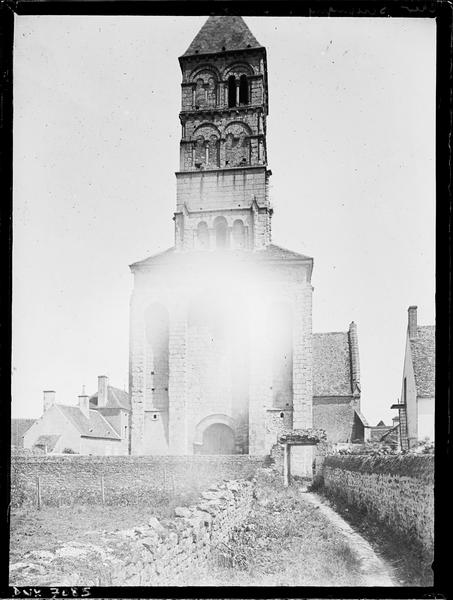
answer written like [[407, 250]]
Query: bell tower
[[222, 185]]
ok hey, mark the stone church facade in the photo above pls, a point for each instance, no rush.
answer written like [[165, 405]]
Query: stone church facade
[[221, 344]]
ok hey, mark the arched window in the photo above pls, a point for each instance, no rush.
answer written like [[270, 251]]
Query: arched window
[[221, 232], [203, 235], [213, 154], [200, 152], [243, 90], [231, 91], [200, 94], [238, 234]]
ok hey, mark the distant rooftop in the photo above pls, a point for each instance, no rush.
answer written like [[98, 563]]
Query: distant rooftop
[[94, 426], [116, 398]]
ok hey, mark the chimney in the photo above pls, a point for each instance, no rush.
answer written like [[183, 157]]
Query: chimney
[[48, 399], [84, 403], [412, 321], [355, 365], [103, 383]]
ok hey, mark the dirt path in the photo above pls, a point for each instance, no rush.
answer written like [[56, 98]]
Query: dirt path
[[375, 571], [292, 538]]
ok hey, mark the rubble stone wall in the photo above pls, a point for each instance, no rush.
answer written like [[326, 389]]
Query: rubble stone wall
[[166, 552], [398, 490], [126, 479]]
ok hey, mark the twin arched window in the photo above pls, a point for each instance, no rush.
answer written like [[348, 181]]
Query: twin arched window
[[238, 91], [222, 238]]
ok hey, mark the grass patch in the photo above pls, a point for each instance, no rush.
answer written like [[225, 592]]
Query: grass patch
[[48, 528], [412, 566], [284, 542]]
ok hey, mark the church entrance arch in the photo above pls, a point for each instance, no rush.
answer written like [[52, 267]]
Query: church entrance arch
[[218, 439], [215, 435]]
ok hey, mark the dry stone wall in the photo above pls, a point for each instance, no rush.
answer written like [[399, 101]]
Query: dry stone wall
[[398, 490], [162, 552], [127, 480]]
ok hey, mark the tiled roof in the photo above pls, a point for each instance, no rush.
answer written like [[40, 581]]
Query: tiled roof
[[423, 349], [48, 441], [270, 252], [331, 364], [19, 427], [378, 432], [155, 258], [116, 398], [279, 253], [220, 34], [361, 417], [95, 426]]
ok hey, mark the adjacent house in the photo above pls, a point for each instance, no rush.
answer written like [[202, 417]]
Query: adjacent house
[[384, 434], [416, 406], [99, 424], [336, 386], [18, 429]]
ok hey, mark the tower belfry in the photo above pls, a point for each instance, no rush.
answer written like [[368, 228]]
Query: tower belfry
[[222, 184]]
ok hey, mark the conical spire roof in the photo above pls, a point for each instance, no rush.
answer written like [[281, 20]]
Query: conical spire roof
[[221, 34]]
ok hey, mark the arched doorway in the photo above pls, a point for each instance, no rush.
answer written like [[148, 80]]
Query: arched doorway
[[218, 439]]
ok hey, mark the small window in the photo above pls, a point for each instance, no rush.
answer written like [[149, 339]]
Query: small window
[[243, 90]]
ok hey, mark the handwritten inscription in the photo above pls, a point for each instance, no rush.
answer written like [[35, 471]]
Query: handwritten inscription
[[53, 592]]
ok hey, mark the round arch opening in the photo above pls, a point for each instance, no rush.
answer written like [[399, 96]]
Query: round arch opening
[[218, 438]]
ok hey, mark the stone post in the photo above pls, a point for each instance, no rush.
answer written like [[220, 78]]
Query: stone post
[[286, 465]]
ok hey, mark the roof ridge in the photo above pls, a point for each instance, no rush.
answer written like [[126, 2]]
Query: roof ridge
[[330, 332]]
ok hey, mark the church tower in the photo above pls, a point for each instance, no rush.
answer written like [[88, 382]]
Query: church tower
[[223, 181], [220, 324]]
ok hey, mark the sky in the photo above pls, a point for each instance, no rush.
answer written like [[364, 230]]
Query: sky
[[351, 146]]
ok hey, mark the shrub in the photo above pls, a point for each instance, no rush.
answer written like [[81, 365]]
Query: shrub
[[419, 466]]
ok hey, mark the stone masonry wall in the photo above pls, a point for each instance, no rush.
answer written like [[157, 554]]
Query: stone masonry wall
[[127, 479], [398, 490], [158, 553]]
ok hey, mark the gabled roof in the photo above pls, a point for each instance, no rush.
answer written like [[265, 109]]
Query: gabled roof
[[48, 441], [274, 252], [220, 34], [96, 426], [423, 350], [332, 373], [19, 427], [163, 256], [116, 398], [271, 252]]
